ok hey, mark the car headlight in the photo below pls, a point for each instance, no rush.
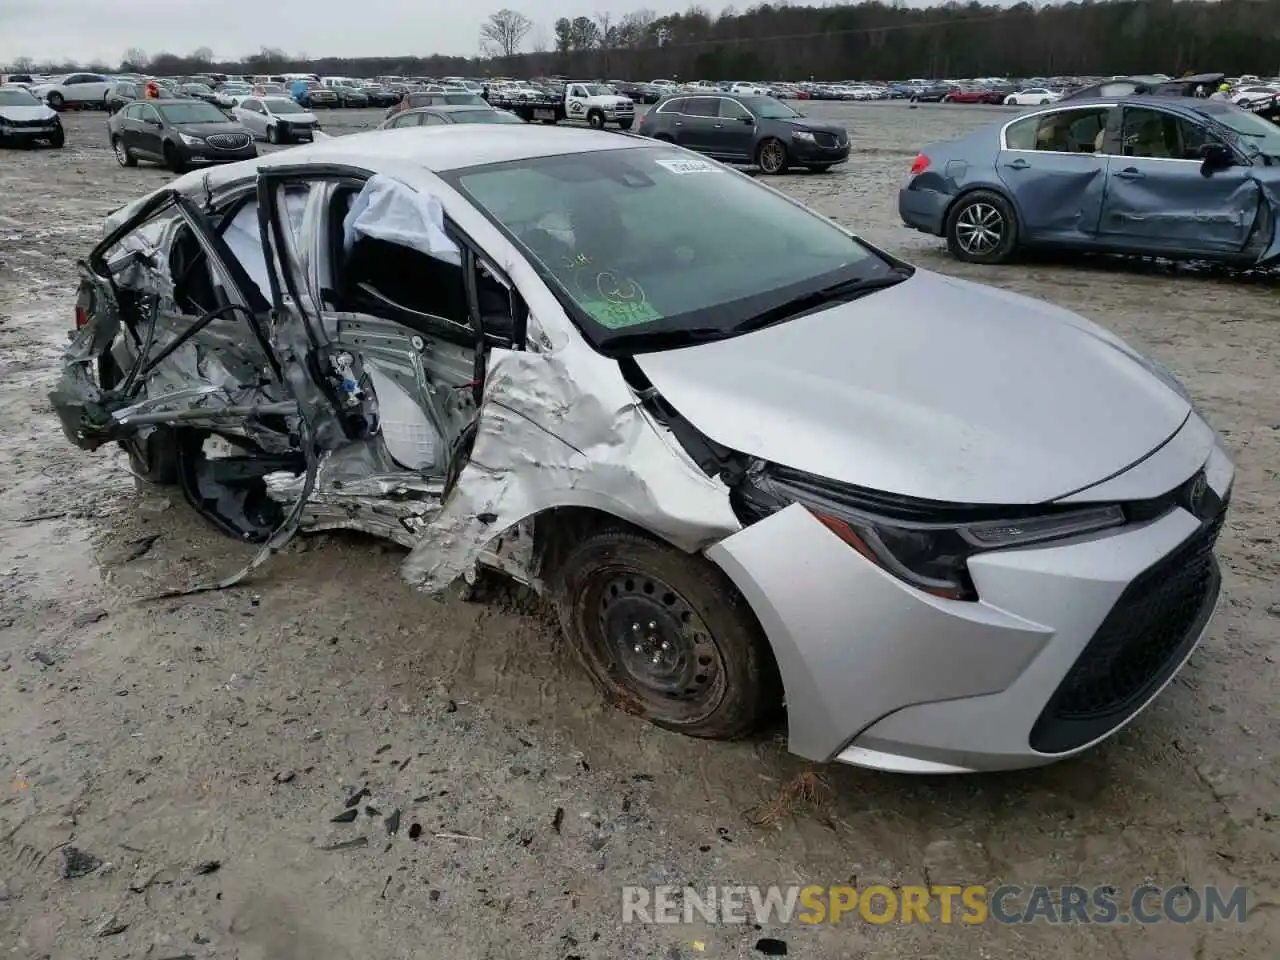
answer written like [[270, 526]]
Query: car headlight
[[923, 543], [189, 140], [802, 135]]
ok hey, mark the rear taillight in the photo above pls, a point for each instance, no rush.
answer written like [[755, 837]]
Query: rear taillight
[[82, 318], [919, 165]]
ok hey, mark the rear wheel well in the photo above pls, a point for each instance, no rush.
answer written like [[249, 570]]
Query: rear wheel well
[[946, 214]]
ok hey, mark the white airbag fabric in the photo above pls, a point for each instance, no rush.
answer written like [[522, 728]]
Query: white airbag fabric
[[389, 210]]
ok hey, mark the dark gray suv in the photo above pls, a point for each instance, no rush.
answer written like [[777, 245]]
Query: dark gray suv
[[747, 129]]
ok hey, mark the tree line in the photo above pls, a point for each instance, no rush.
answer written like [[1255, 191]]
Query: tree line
[[868, 41]]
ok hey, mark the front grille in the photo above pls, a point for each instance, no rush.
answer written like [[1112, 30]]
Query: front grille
[[20, 124], [1140, 643], [825, 139], [228, 141]]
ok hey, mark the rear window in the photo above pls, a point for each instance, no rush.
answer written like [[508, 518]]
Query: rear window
[[655, 238]]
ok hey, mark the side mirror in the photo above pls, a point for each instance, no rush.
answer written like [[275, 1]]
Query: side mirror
[[1216, 156], [749, 121]]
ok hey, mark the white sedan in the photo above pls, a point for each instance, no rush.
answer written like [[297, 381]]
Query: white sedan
[[1032, 97], [276, 119], [79, 89]]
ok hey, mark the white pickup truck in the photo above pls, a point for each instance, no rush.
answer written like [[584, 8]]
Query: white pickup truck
[[598, 104]]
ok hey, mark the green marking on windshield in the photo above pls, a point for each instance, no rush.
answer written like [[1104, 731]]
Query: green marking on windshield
[[622, 314]]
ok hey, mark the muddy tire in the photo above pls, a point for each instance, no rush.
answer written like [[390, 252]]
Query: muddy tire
[[124, 156], [154, 459], [624, 124], [664, 635], [273, 134], [771, 156], [595, 120], [59, 138], [56, 101], [982, 227], [819, 167]]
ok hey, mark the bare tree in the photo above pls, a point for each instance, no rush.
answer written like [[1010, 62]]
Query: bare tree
[[202, 55], [23, 65], [606, 32], [504, 32], [136, 58], [541, 43]]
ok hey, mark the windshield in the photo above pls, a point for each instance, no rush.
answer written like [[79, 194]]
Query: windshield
[[1253, 129], [197, 88], [17, 98], [463, 99], [649, 239], [484, 116], [768, 108], [281, 105], [235, 88], [598, 90], [195, 112]]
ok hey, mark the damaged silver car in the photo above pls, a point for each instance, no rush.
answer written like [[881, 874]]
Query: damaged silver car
[[751, 459]]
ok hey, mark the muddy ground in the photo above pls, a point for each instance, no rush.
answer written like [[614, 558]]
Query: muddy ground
[[230, 728]]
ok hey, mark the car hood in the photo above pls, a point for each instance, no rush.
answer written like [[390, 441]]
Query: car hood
[[37, 112], [935, 388], [295, 118], [208, 129], [807, 123]]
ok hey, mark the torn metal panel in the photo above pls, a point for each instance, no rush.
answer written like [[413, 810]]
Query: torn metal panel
[[548, 438], [1173, 204]]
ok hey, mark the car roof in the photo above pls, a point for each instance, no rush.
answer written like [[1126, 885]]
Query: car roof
[[461, 145]]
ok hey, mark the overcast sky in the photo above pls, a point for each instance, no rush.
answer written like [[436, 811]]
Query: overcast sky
[[84, 30]]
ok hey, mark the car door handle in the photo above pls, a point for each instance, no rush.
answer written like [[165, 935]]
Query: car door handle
[[1131, 173], [1018, 164]]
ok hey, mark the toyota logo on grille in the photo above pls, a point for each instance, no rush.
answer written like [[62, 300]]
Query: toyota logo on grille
[[1196, 493]]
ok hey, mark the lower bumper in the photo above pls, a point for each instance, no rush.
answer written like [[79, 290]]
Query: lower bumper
[[879, 674], [801, 151], [923, 209], [195, 156]]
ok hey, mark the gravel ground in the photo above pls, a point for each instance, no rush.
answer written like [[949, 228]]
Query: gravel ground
[[229, 729]]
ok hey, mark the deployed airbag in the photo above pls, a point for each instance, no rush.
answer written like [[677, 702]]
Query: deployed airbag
[[386, 209]]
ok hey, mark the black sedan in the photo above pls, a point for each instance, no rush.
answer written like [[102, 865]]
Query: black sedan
[[177, 133], [125, 92], [747, 129], [443, 114]]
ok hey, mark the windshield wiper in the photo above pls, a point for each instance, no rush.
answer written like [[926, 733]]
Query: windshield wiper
[[840, 292]]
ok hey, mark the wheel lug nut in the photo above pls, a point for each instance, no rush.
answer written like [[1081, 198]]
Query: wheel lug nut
[[657, 659], [635, 628], [652, 625], [638, 648], [665, 645]]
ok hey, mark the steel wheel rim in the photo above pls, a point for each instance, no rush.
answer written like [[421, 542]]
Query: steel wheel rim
[[771, 157], [121, 158], [654, 644], [979, 228]]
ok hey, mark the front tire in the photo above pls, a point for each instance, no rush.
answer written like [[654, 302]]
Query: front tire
[[625, 124], [173, 159], [56, 101], [273, 135], [982, 227], [771, 156], [819, 167], [665, 635], [595, 120]]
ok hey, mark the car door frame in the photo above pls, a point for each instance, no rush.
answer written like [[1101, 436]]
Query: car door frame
[[253, 121], [697, 131], [734, 139], [1012, 163], [1190, 173], [150, 136]]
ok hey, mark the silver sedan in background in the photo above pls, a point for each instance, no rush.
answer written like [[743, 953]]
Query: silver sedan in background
[[949, 527], [276, 119]]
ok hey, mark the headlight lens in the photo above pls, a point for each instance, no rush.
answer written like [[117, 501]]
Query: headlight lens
[[924, 544], [802, 135], [189, 140]]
